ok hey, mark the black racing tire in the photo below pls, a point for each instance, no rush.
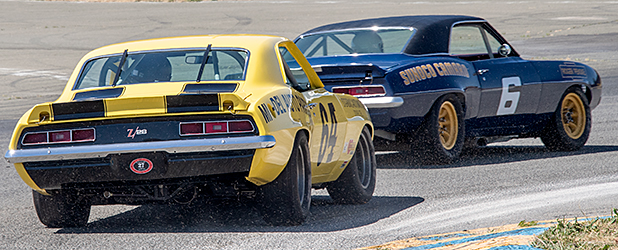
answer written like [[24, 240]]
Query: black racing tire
[[441, 137], [357, 182], [286, 200], [569, 127], [61, 210]]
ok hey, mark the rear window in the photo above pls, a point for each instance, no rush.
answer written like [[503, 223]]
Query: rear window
[[355, 41], [164, 66]]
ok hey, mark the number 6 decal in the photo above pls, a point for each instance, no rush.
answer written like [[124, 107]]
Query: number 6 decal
[[509, 100]]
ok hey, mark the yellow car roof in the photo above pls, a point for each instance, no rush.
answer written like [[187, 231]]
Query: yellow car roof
[[263, 67], [247, 41]]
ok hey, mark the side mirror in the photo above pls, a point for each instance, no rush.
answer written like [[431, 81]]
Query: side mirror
[[504, 50]]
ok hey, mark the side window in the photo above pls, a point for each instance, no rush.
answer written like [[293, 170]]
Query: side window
[[467, 40], [494, 44], [295, 75]]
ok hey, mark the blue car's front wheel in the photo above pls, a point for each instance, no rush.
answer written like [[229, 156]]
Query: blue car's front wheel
[[570, 125]]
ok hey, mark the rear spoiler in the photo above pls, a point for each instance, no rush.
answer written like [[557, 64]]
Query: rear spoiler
[[357, 72]]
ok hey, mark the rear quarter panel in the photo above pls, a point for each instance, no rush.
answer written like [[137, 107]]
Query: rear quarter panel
[[422, 81]]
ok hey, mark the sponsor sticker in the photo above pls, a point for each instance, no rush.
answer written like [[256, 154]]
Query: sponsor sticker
[[572, 71], [344, 164], [427, 71], [141, 166], [348, 147]]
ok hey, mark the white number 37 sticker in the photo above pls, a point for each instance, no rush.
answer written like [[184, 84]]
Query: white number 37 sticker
[[509, 100]]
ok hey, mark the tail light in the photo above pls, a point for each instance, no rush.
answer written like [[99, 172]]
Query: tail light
[[216, 127], [59, 136], [361, 91]]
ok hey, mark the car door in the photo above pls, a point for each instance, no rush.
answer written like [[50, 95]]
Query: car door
[[330, 122], [510, 86]]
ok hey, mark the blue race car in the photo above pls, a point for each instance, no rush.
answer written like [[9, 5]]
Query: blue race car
[[438, 82]]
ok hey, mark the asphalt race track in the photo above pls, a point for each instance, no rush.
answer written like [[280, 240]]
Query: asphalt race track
[[40, 43]]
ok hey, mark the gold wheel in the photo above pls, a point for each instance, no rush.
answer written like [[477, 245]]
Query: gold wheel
[[573, 116], [447, 125]]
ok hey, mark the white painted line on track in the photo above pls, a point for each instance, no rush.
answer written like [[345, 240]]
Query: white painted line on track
[[511, 206]]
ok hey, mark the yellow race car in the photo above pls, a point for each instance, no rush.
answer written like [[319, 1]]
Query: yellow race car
[[170, 119]]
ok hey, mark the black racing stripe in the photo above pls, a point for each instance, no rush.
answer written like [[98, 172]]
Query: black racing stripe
[[78, 110], [192, 103], [211, 88], [98, 94]]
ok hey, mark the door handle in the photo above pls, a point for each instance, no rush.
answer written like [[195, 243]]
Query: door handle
[[481, 71]]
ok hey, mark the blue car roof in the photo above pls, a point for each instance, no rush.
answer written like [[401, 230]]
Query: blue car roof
[[432, 31]]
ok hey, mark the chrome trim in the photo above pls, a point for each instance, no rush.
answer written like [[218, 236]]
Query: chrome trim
[[382, 102], [176, 146], [480, 22], [374, 28]]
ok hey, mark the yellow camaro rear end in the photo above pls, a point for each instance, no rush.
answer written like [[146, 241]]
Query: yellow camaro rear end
[[170, 119]]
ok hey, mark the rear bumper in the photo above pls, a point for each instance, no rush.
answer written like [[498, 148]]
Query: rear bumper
[[382, 101], [54, 168], [117, 168], [171, 147]]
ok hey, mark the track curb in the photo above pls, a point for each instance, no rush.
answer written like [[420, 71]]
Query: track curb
[[511, 237]]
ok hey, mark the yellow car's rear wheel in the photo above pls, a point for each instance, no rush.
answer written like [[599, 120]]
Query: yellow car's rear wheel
[[61, 209], [286, 200], [357, 182], [570, 125]]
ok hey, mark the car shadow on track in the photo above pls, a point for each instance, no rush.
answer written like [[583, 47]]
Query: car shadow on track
[[483, 156], [241, 216]]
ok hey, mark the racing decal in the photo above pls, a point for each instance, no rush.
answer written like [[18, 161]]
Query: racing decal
[[427, 71], [351, 103], [141, 166], [136, 131], [572, 71], [357, 107], [192, 103], [344, 164], [348, 147], [78, 110], [328, 140], [509, 100], [281, 104], [267, 114]]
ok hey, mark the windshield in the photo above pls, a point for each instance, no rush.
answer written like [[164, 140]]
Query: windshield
[[355, 41], [164, 66]]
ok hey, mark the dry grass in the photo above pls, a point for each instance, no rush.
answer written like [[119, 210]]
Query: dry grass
[[589, 234]]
